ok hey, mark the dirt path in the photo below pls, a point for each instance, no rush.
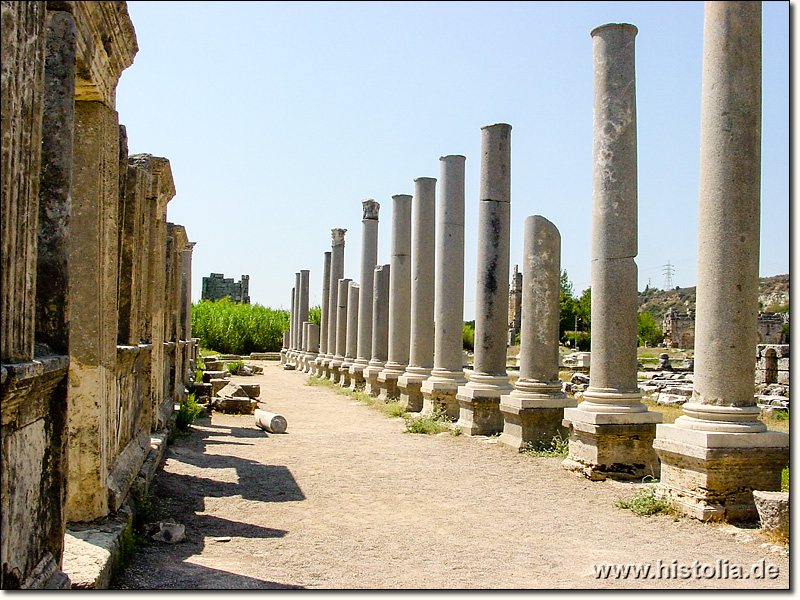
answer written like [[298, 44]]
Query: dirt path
[[346, 500]]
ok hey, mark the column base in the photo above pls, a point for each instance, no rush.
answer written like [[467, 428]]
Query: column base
[[371, 385], [479, 406], [439, 395], [387, 380], [410, 384], [344, 374], [613, 445], [333, 371], [533, 423], [712, 475], [357, 381]]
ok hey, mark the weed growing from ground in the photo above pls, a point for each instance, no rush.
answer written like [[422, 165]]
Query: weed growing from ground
[[187, 413], [645, 503], [436, 422], [558, 447]]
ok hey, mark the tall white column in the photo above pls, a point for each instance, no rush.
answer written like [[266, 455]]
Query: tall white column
[[423, 279], [399, 298], [533, 412], [369, 258], [302, 317], [439, 390], [718, 452], [611, 431], [479, 398]]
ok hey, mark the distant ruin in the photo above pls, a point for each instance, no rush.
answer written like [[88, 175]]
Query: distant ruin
[[678, 328], [217, 287]]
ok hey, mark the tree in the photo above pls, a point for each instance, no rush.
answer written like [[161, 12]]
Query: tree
[[648, 330]]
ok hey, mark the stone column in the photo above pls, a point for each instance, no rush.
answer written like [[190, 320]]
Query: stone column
[[369, 258], [302, 317], [611, 431], [479, 398], [285, 348], [423, 273], [296, 322], [380, 329], [304, 348], [718, 452], [439, 390], [289, 364], [533, 412], [313, 345], [351, 335], [343, 287], [323, 321], [337, 273], [399, 298]]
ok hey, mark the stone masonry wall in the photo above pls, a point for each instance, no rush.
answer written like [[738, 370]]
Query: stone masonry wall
[[217, 287], [96, 342]]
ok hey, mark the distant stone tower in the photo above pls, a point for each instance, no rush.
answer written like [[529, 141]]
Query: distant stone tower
[[514, 306]]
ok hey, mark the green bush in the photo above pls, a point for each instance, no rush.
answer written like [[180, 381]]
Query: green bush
[[234, 366], [469, 336], [187, 413], [231, 328], [645, 503]]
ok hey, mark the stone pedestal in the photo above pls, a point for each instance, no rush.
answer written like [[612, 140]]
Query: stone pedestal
[[369, 258], [534, 411], [399, 299], [611, 431], [423, 272], [479, 398], [439, 390], [716, 454]]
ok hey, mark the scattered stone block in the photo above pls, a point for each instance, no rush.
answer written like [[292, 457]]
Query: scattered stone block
[[217, 385], [253, 390], [232, 390], [773, 510], [171, 533], [208, 375], [243, 406]]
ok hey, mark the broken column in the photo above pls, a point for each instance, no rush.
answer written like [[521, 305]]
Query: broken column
[[423, 272], [479, 398], [611, 431], [369, 258], [289, 364], [323, 315], [313, 346], [380, 329], [439, 390], [343, 288], [294, 326], [718, 452], [399, 298], [533, 412], [351, 335], [337, 273]]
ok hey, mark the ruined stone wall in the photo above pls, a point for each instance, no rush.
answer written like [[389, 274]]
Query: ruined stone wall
[[772, 364], [91, 298], [217, 287], [678, 328]]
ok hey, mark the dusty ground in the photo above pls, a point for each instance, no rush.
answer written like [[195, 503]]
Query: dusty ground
[[346, 500]]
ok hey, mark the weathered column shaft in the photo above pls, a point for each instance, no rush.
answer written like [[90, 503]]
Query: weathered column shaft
[[439, 390], [533, 412], [423, 274], [399, 297], [480, 397], [302, 304], [611, 430], [718, 452], [369, 258], [324, 306], [337, 273], [351, 335], [380, 328]]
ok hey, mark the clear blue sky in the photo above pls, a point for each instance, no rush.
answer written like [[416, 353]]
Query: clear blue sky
[[278, 118]]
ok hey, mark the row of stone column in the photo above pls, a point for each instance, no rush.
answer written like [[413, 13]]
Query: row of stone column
[[712, 458]]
